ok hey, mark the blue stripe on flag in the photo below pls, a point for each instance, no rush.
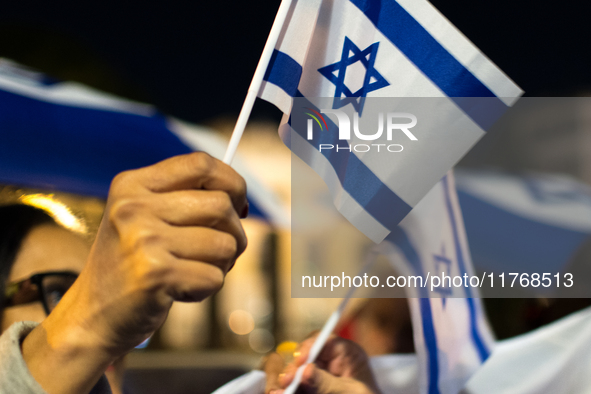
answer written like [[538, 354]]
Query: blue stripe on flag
[[452, 221], [399, 237], [483, 351], [356, 178], [432, 59], [284, 72], [422, 49], [431, 342], [79, 150]]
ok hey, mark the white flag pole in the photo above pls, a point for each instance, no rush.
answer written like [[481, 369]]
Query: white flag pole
[[257, 80], [330, 325]]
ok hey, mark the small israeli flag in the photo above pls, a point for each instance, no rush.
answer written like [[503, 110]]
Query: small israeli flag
[[452, 336], [356, 50]]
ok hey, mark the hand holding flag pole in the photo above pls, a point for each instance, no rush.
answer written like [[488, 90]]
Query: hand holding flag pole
[[245, 112], [330, 325], [257, 80], [251, 96]]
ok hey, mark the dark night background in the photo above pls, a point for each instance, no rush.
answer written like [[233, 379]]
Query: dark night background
[[194, 59]]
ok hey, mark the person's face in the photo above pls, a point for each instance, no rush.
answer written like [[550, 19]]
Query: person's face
[[47, 247]]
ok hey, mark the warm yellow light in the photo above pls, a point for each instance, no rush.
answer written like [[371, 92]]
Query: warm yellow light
[[57, 210], [286, 349], [241, 322]]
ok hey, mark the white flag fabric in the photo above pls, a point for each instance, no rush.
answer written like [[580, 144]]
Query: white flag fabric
[[249, 383], [552, 359], [452, 336], [357, 49]]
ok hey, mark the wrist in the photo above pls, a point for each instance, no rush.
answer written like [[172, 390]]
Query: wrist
[[63, 356], [61, 366]]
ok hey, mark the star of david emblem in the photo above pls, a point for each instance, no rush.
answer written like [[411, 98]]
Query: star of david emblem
[[336, 72], [440, 260]]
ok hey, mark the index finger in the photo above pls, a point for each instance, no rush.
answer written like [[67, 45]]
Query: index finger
[[196, 170], [273, 368]]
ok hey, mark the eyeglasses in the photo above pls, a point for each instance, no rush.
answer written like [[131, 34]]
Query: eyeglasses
[[47, 287]]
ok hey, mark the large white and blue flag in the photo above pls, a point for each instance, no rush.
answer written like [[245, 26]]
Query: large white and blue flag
[[541, 220], [65, 136], [452, 336], [360, 49]]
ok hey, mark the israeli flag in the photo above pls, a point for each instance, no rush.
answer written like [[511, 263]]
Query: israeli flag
[[540, 219], [66, 136], [452, 336], [559, 349], [359, 49]]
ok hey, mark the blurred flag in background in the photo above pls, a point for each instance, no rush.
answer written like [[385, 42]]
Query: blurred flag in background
[[530, 222], [68, 137]]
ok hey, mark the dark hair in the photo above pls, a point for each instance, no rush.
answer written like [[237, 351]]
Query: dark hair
[[16, 221]]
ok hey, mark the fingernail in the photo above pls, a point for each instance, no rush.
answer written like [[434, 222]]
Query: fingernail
[[245, 211], [286, 378]]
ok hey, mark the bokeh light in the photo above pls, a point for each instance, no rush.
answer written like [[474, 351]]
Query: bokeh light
[[241, 322]]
